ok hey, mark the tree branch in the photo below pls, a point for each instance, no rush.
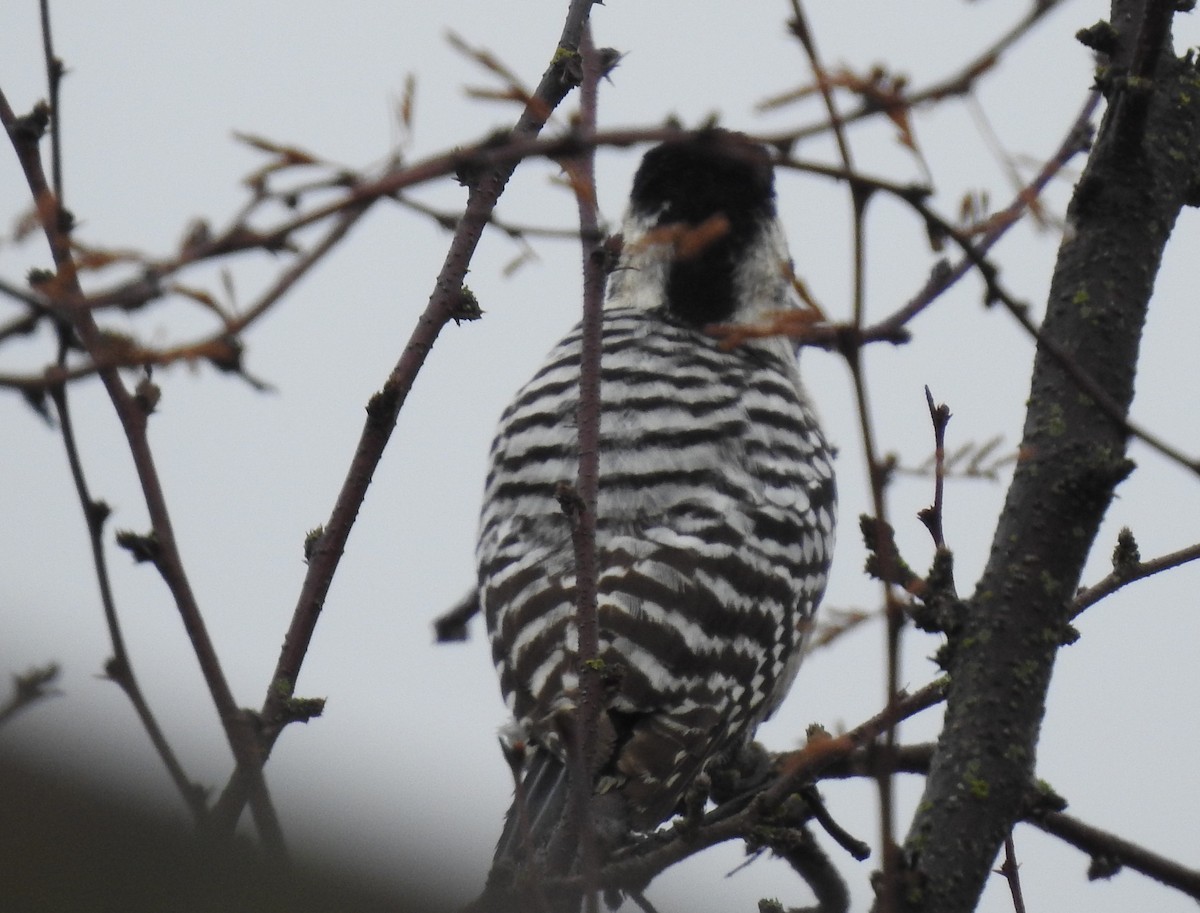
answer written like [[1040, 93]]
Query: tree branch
[[24, 134], [1000, 662], [384, 408], [1110, 852], [1084, 599], [583, 521], [119, 668], [28, 688]]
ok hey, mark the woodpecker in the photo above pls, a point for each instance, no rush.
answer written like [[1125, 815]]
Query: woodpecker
[[715, 515]]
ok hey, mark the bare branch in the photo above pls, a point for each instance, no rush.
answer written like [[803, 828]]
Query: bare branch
[[959, 83], [1123, 210], [119, 668], [636, 866], [29, 687], [583, 526], [939, 414], [1010, 871], [24, 134], [1110, 852], [54, 74], [384, 407], [1128, 573]]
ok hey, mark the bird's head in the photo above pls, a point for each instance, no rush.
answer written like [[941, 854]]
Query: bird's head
[[701, 235]]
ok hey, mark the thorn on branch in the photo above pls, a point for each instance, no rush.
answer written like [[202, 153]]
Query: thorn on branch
[[569, 500], [39, 278], [939, 414], [1103, 867], [383, 406], [117, 670], [35, 398], [196, 237], [1010, 871], [1101, 37], [302, 709], [465, 307], [571, 62], [883, 557], [142, 546], [65, 220], [147, 394], [226, 355], [470, 167], [31, 127], [1126, 559], [311, 539], [98, 513], [1044, 798], [940, 609], [1068, 635], [34, 683]]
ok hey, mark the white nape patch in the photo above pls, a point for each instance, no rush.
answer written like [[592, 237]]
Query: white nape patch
[[763, 280], [640, 279], [762, 283]]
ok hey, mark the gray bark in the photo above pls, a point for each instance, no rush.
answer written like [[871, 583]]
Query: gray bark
[[1141, 172]]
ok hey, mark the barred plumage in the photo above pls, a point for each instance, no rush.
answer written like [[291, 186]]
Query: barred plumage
[[716, 504]]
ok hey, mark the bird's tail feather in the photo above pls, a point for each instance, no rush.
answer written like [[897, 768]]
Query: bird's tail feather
[[534, 843], [538, 810]]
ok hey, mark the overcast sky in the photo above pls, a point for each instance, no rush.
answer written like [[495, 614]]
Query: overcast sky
[[402, 774]]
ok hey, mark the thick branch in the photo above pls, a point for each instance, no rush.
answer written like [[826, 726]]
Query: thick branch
[[1122, 212]]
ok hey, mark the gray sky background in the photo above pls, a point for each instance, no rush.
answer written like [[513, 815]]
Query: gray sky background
[[402, 774]]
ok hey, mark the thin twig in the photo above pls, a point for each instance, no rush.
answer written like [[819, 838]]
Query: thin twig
[[939, 414], [890, 328], [119, 668], [364, 191], [1011, 872], [54, 75], [449, 220], [583, 529], [637, 865], [133, 418], [28, 688], [958, 83], [1109, 852], [1093, 390], [237, 238], [1086, 598], [852, 352], [816, 756], [384, 408], [975, 252]]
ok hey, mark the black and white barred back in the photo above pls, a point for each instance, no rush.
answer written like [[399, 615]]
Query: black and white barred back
[[716, 504]]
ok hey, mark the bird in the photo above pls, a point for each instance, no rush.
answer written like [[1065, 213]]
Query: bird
[[714, 517]]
